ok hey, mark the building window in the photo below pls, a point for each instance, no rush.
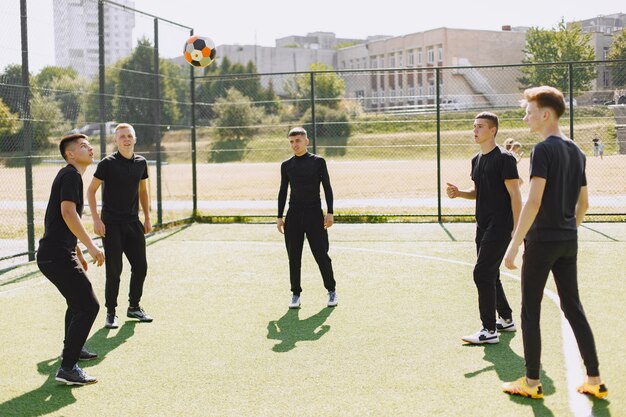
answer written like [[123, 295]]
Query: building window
[[440, 54], [431, 56], [400, 59], [431, 89], [410, 58], [419, 56], [373, 62], [392, 60]]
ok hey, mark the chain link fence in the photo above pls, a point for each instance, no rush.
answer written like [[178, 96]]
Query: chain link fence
[[215, 139]]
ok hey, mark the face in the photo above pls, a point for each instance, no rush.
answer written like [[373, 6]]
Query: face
[[533, 117], [298, 144], [125, 139], [80, 151], [482, 131]]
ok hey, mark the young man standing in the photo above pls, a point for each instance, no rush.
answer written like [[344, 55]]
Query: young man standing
[[125, 178], [498, 205], [303, 173], [548, 225], [60, 259]]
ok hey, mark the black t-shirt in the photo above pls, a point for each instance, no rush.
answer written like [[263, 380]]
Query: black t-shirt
[[493, 201], [58, 241], [120, 177], [304, 174], [562, 164]]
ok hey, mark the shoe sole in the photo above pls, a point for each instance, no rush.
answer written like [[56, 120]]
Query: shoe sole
[[66, 382], [482, 342], [107, 326], [294, 307], [507, 329], [332, 305], [141, 320], [524, 394]]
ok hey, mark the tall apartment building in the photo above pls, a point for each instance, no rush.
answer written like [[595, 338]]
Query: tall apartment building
[[76, 34]]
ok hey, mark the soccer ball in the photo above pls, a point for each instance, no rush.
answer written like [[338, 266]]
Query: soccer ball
[[199, 51]]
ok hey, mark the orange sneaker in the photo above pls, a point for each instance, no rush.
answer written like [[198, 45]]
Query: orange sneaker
[[520, 387], [598, 390]]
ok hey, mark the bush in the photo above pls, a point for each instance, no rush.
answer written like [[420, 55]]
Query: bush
[[333, 129]]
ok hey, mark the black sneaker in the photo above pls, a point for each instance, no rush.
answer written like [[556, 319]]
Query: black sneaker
[[85, 355], [111, 321], [139, 314], [74, 377]]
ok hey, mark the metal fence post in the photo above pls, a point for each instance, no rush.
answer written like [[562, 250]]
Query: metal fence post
[[194, 176], [313, 121], [438, 101], [27, 135], [570, 73], [157, 121], [101, 88]]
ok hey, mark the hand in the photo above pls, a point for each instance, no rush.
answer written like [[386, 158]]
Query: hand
[[82, 260], [510, 255], [452, 190], [99, 228], [96, 254], [147, 226], [328, 220], [280, 224]]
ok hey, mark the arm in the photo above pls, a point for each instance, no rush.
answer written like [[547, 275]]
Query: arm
[[328, 193], [71, 218], [582, 205], [282, 198], [81, 258], [98, 225], [454, 192], [526, 219], [144, 201], [512, 187]]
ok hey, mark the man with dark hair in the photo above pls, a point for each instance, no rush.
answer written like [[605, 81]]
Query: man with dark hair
[[125, 178], [61, 260], [498, 204], [556, 205], [303, 173]]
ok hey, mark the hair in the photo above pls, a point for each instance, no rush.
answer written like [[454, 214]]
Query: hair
[[545, 96], [493, 119], [508, 143], [297, 131], [516, 144], [126, 126], [68, 140]]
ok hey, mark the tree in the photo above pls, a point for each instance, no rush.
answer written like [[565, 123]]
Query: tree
[[235, 121], [332, 129], [329, 87], [66, 87], [560, 44], [11, 90], [9, 126], [618, 51]]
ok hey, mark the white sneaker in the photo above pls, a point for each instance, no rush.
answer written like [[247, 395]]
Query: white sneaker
[[295, 301], [504, 325], [482, 336], [332, 299]]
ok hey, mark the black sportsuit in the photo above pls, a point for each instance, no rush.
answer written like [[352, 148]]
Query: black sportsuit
[[551, 244], [494, 224], [305, 217], [57, 260], [124, 231]]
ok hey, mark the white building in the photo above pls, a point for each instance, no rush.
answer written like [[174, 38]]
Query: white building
[[76, 34]]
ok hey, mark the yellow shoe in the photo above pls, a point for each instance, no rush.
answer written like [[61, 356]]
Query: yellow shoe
[[598, 390], [520, 387]]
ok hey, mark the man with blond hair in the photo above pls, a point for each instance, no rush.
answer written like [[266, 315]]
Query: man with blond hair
[[125, 178], [548, 226]]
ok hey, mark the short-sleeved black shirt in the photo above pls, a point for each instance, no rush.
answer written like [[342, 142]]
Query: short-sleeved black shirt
[[120, 177], [562, 164], [58, 241], [493, 201]]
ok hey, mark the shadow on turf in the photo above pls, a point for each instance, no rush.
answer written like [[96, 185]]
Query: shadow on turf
[[289, 329], [509, 366], [52, 396]]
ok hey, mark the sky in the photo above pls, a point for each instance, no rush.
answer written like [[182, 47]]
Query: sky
[[249, 22]]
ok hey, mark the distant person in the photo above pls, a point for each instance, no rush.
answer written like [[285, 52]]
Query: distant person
[[516, 150], [548, 225], [303, 173], [61, 260], [508, 143], [125, 178], [498, 204], [598, 148]]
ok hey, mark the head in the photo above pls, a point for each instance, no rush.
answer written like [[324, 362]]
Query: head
[[485, 127], [298, 140], [125, 138], [508, 142], [544, 105], [75, 148], [516, 146]]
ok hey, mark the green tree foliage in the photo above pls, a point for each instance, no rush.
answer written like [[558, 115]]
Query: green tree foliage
[[618, 51], [9, 127], [332, 129], [236, 118], [66, 87], [11, 90], [92, 110], [134, 102], [560, 44], [329, 88], [47, 120]]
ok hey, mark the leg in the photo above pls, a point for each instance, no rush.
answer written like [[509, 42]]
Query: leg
[[537, 261], [70, 279], [135, 250], [486, 277], [294, 239], [317, 237], [565, 276], [112, 243]]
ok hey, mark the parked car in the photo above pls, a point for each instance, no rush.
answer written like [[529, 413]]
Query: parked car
[[449, 104]]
